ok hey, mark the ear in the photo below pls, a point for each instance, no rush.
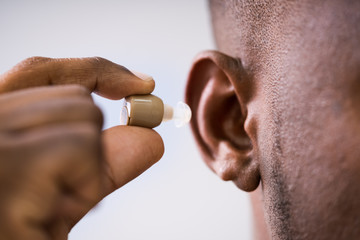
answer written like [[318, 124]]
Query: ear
[[218, 92]]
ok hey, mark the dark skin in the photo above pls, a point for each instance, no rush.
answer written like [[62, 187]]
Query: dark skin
[[277, 112], [56, 163]]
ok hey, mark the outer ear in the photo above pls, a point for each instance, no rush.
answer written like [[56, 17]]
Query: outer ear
[[218, 92]]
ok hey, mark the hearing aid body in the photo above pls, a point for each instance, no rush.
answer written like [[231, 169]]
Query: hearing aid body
[[150, 111]]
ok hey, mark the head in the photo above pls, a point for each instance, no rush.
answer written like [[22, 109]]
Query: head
[[277, 111]]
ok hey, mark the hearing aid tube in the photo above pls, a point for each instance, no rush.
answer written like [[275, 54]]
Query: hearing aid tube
[[150, 111]]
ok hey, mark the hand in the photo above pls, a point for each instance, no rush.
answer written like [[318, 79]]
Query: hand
[[55, 163]]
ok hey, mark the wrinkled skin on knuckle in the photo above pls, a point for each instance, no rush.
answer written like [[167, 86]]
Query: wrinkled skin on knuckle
[[102, 63], [33, 62]]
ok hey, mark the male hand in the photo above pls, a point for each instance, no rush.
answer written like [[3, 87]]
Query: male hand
[[55, 163]]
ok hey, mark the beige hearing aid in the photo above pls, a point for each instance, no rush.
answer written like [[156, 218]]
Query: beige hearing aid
[[150, 111]]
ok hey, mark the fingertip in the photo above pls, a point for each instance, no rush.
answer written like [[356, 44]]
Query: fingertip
[[142, 76], [115, 82], [129, 151], [135, 142], [159, 147], [151, 141]]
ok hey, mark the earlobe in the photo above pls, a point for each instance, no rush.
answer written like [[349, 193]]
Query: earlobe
[[218, 91]]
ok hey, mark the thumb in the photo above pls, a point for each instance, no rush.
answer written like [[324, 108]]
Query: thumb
[[98, 75], [129, 151]]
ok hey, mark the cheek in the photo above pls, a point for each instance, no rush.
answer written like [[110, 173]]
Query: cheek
[[310, 183]]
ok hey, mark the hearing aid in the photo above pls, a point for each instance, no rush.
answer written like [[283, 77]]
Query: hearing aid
[[150, 111]]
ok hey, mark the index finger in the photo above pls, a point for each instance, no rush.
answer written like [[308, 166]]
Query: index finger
[[97, 74]]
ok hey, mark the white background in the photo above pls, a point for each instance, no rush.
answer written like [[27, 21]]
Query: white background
[[178, 198]]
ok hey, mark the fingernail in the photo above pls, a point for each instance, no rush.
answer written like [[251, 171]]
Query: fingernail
[[142, 76]]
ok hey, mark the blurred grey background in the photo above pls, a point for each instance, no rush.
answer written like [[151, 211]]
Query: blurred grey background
[[179, 197]]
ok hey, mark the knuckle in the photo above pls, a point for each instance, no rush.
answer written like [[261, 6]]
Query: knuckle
[[98, 62], [102, 63], [31, 61], [100, 59]]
